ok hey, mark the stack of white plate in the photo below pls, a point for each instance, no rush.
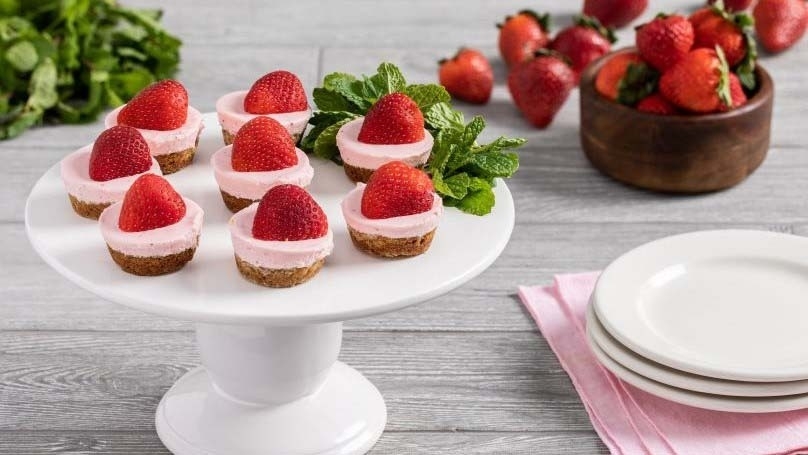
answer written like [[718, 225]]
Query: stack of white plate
[[715, 319]]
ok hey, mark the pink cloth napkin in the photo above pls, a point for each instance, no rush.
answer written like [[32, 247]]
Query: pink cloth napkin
[[630, 421]]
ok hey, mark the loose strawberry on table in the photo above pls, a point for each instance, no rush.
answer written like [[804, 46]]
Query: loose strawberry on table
[[583, 42], [539, 88], [520, 36], [615, 13], [467, 76], [780, 23]]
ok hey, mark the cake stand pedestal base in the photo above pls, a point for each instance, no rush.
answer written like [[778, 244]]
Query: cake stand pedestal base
[[271, 390]]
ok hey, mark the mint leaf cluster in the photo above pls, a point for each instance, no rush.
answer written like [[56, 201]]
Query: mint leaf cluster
[[344, 97]]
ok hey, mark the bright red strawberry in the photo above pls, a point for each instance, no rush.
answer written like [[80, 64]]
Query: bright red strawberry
[[698, 83], [288, 213], [656, 104], [615, 13], [263, 144], [520, 36], [275, 93], [161, 106], [665, 40], [150, 203], [119, 152], [608, 80], [736, 92], [467, 76], [539, 88], [715, 27], [780, 23], [584, 42], [394, 119], [397, 189], [734, 5]]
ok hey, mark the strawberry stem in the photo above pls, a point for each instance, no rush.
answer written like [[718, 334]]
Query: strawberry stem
[[723, 89]]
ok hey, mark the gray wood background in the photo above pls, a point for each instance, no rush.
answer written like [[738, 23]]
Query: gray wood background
[[465, 373]]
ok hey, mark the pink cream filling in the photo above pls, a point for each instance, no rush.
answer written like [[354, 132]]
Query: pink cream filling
[[395, 228], [75, 170], [372, 156], [272, 254], [253, 185], [159, 242], [231, 113], [171, 141]]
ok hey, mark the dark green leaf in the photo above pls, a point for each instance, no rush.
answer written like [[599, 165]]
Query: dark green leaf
[[639, 81], [327, 100], [326, 144], [427, 95], [441, 116]]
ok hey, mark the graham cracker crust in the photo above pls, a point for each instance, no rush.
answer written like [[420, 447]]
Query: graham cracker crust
[[173, 162], [152, 266], [277, 278], [87, 209], [357, 174], [235, 204], [229, 137], [389, 247]]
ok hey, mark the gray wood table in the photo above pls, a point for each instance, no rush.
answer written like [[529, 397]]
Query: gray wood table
[[465, 373]]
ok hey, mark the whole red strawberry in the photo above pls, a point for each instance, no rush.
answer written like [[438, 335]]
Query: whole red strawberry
[[615, 13], [698, 83], [394, 119], [150, 203], [539, 87], [665, 40], [734, 5], [607, 83], [161, 106], [656, 104], [584, 42], [520, 36], [467, 76], [263, 144], [119, 152], [715, 27], [397, 189], [780, 23], [289, 213], [736, 92], [275, 93]]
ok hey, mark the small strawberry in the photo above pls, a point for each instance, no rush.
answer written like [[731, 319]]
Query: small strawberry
[[584, 42], [539, 88], [615, 13], [699, 82], [736, 92], [262, 144], [665, 40], [656, 104], [397, 189], [289, 213], [714, 26], [734, 5], [467, 76], [394, 119], [150, 203], [608, 80], [119, 152], [161, 106], [520, 36], [275, 93], [780, 23]]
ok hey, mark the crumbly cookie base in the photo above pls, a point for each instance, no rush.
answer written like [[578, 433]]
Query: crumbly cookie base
[[173, 162], [277, 278], [152, 266], [87, 209], [389, 247], [235, 204], [357, 174]]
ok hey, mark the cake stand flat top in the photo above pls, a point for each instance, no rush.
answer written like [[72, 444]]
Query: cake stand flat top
[[351, 285]]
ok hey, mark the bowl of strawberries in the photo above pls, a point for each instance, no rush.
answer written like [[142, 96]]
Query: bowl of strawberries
[[687, 110]]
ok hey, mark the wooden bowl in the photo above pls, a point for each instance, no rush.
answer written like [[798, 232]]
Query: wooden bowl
[[675, 153]]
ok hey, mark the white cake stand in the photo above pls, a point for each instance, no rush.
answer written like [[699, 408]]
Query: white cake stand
[[271, 382]]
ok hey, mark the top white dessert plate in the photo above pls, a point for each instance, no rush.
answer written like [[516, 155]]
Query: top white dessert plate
[[210, 289], [681, 379], [725, 304]]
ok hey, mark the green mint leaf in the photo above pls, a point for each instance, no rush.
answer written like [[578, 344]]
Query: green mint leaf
[[491, 165], [327, 100], [322, 120], [325, 146], [388, 79], [456, 186], [501, 143], [478, 202], [427, 95], [349, 88], [473, 130], [42, 87], [441, 116], [22, 55]]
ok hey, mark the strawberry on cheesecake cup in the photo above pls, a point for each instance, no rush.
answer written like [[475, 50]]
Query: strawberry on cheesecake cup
[[98, 175], [262, 156], [392, 130], [154, 230], [283, 240], [278, 95], [396, 214], [162, 115]]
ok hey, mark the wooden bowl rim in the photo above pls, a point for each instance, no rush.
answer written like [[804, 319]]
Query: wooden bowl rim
[[765, 94]]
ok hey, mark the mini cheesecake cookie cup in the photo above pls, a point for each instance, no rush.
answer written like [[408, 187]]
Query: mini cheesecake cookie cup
[[273, 263], [241, 189], [401, 236], [156, 251], [89, 197], [232, 116], [173, 149], [360, 160]]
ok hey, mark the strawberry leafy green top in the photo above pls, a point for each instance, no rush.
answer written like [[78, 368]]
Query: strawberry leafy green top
[[463, 171]]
